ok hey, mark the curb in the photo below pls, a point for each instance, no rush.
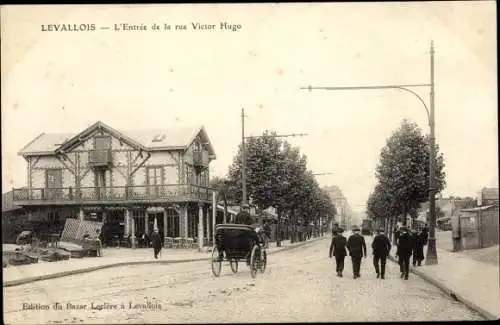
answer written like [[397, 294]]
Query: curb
[[447, 290], [101, 267]]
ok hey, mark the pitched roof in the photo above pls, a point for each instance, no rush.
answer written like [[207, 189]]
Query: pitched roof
[[46, 142], [171, 138]]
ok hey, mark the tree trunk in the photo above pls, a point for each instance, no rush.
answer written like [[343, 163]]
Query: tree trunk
[[225, 209], [278, 239], [389, 228], [404, 214]]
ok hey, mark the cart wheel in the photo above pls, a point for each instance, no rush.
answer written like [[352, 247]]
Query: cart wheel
[[254, 261], [216, 262], [234, 266], [263, 261]]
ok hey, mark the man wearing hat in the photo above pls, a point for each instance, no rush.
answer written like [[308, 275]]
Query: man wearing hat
[[335, 228], [381, 247], [405, 249], [357, 249], [243, 217], [156, 242], [338, 249]]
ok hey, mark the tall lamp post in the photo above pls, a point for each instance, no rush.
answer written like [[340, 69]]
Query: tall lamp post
[[431, 248]]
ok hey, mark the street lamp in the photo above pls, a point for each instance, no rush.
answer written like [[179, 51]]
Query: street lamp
[[431, 248]]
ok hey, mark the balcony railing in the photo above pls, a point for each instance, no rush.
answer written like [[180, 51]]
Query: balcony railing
[[200, 159], [169, 193], [100, 157]]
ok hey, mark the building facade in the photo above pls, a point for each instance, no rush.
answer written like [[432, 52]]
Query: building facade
[[344, 211], [129, 180]]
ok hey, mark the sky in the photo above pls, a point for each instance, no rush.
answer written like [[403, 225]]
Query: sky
[[65, 81]]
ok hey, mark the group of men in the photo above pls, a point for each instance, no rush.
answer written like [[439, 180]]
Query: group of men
[[356, 246], [408, 244]]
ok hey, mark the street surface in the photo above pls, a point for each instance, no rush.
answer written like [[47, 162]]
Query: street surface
[[298, 285]]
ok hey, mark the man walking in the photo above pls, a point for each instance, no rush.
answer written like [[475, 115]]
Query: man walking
[[381, 247], [156, 242], [405, 249], [357, 249], [338, 249]]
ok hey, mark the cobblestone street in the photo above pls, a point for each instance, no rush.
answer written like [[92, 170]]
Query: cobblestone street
[[298, 285]]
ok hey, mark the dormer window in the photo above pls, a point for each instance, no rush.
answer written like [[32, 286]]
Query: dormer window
[[159, 137]]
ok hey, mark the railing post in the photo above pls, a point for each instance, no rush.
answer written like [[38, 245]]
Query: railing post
[[43, 194], [70, 195]]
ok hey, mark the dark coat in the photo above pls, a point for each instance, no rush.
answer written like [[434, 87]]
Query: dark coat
[[418, 250], [397, 233], [338, 246], [243, 218], [156, 240], [425, 234], [356, 245], [381, 245], [405, 245]]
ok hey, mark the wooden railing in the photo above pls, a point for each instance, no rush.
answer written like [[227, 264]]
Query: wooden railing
[[100, 157], [171, 192], [200, 158]]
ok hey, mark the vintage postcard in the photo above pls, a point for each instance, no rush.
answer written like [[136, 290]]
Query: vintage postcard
[[235, 163]]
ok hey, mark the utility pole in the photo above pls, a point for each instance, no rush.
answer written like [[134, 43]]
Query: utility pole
[[431, 248], [244, 163]]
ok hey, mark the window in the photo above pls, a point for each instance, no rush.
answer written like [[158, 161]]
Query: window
[[159, 137], [53, 178], [102, 142], [155, 175]]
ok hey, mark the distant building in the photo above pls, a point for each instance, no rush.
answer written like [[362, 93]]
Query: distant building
[[344, 212], [448, 207], [488, 196]]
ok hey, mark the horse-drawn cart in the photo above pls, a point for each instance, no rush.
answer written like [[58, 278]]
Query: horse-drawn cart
[[237, 243]]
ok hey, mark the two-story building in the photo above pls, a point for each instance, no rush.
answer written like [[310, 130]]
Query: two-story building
[[122, 178]]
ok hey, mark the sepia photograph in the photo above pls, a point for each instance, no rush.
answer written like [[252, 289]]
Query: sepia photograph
[[250, 163]]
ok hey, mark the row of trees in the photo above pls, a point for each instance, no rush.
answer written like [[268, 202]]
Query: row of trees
[[277, 176], [403, 176]]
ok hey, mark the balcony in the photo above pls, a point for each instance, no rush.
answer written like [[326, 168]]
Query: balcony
[[200, 159], [100, 158], [112, 195]]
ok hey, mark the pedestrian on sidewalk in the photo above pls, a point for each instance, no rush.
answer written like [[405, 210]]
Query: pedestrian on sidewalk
[[96, 238], [404, 252], [357, 249], [335, 229], [397, 232], [381, 247], [418, 250], [156, 242], [338, 249]]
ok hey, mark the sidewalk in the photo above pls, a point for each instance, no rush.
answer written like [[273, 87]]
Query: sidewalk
[[113, 257], [472, 282]]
